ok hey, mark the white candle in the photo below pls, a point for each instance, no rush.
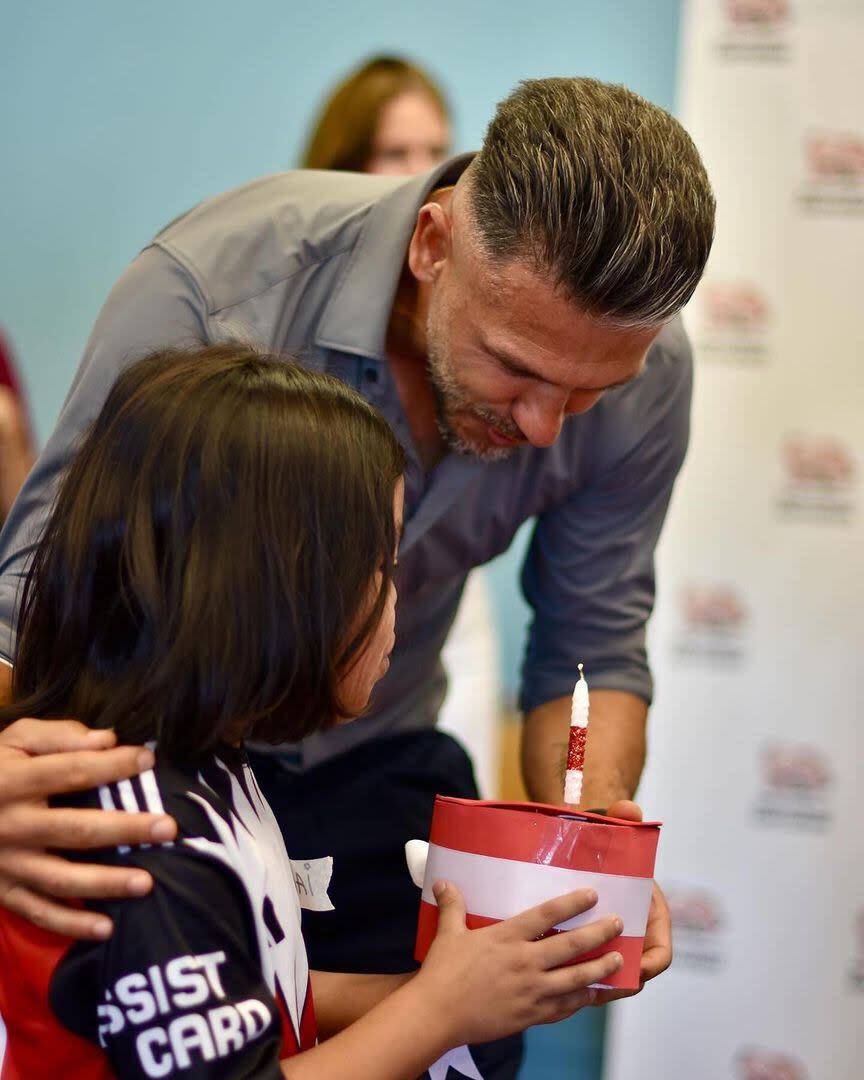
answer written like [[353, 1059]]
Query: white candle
[[581, 703], [579, 710]]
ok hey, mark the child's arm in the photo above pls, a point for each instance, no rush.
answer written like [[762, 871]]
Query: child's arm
[[474, 986], [341, 998]]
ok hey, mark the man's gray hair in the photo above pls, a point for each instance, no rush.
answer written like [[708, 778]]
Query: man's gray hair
[[599, 189]]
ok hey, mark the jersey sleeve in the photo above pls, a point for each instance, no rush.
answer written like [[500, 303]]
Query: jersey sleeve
[[178, 989], [589, 570]]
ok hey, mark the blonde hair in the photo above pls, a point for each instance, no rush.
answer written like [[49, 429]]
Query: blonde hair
[[344, 132]]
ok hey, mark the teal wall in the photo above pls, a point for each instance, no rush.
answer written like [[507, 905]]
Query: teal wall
[[116, 116]]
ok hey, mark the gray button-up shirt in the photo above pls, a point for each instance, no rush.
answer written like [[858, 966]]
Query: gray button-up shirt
[[308, 263]]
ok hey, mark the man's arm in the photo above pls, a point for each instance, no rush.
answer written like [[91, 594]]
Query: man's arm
[[614, 757], [589, 576], [154, 304], [589, 569]]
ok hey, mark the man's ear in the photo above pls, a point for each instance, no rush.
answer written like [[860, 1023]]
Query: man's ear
[[431, 242]]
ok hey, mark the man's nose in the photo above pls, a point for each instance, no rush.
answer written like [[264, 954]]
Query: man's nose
[[541, 413]]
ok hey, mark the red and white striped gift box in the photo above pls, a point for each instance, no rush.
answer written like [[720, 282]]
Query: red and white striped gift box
[[506, 857]]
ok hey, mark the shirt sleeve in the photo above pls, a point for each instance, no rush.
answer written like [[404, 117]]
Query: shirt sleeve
[[154, 304], [589, 569], [178, 989]]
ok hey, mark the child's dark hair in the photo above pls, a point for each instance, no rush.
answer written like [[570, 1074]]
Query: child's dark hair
[[210, 554]]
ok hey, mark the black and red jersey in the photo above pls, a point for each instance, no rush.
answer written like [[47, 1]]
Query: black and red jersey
[[206, 976]]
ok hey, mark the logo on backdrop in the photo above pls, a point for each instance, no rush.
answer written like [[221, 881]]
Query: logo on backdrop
[[698, 923], [756, 1063], [735, 320], [820, 478], [714, 620], [856, 971], [755, 30], [833, 170], [795, 786]]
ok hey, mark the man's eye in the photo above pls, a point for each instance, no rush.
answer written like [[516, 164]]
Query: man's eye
[[513, 372]]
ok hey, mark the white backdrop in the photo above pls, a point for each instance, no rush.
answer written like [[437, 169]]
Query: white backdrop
[[757, 642], [472, 709]]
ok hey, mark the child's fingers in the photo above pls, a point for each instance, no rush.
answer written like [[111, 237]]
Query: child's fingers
[[560, 1008], [451, 907], [562, 948], [540, 920], [605, 997], [567, 980]]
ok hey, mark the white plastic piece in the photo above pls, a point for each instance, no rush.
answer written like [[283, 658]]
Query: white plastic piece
[[416, 853]]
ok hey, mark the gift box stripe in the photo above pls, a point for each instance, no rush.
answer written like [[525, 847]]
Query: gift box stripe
[[499, 888], [549, 838]]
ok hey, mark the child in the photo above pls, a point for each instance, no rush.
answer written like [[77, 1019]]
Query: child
[[219, 564]]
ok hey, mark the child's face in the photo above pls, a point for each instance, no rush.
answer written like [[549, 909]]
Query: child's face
[[374, 660]]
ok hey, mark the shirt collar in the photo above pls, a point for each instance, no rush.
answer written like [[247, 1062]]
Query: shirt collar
[[357, 314]]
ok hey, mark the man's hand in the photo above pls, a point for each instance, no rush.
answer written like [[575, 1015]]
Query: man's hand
[[40, 758], [657, 951]]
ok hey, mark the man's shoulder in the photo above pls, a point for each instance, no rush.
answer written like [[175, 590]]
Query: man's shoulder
[[244, 241], [671, 355], [665, 384], [652, 410]]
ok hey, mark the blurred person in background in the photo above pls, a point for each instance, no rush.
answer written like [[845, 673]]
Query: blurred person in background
[[389, 117], [16, 443]]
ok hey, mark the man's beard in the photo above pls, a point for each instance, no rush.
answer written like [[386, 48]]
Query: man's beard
[[452, 400]]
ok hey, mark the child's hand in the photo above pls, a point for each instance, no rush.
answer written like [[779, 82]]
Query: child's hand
[[491, 982]]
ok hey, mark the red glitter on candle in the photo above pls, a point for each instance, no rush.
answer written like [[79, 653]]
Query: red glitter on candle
[[576, 749]]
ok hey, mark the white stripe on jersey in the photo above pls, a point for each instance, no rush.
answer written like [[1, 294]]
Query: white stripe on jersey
[[106, 801], [127, 796], [150, 788], [152, 799]]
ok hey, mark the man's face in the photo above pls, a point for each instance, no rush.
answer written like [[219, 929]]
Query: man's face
[[510, 357]]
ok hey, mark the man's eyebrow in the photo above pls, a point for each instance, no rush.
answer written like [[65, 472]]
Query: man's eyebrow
[[508, 362], [519, 369]]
